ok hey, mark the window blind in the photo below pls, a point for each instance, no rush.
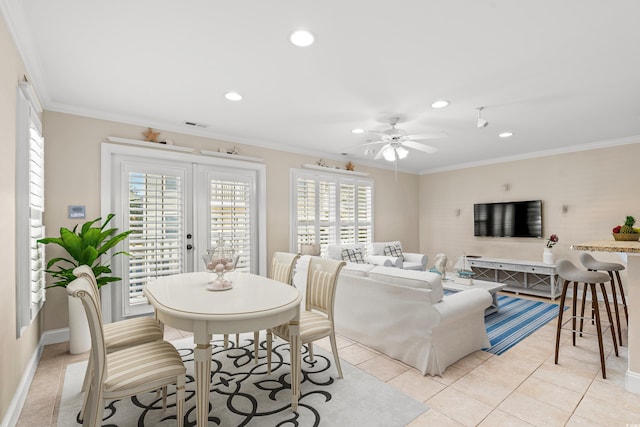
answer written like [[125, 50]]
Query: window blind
[[330, 209], [155, 214], [30, 255], [231, 217]]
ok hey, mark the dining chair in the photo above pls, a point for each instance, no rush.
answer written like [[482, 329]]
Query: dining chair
[[127, 372], [282, 266], [316, 320], [121, 334]]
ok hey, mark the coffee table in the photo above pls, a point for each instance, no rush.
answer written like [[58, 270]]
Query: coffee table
[[492, 287]]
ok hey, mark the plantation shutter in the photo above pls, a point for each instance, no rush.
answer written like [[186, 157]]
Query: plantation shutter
[[156, 216], [30, 255], [330, 209], [230, 219]]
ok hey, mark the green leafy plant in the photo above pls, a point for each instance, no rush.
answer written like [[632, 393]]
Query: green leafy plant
[[84, 248]]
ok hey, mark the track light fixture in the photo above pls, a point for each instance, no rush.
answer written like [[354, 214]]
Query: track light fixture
[[482, 123]]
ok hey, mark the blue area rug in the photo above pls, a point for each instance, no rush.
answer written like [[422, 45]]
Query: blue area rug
[[516, 319]]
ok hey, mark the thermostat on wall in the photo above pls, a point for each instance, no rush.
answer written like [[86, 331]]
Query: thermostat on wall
[[76, 211]]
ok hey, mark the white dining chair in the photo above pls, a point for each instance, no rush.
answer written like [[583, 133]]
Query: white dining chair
[[129, 371], [121, 334], [316, 320], [282, 267]]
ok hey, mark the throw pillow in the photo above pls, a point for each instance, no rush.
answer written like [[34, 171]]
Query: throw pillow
[[394, 251], [353, 255]]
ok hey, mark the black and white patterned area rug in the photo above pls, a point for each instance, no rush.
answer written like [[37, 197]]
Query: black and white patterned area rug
[[243, 394]]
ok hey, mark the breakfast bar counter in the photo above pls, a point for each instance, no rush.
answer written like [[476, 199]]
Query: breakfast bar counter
[[632, 250]]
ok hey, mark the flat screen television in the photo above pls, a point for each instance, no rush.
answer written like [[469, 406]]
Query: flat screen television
[[508, 219]]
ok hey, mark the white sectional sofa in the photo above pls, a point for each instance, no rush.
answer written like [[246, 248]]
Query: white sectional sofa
[[405, 315]]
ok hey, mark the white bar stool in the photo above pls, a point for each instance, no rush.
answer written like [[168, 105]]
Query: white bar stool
[[610, 267], [570, 273]]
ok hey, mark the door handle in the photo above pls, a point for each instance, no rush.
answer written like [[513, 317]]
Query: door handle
[[189, 247]]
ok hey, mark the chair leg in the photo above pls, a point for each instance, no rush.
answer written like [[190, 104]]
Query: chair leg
[[164, 398], [180, 400], [237, 340], [583, 302], [594, 302], [310, 347], [256, 341], [334, 349], [226, 341], [609, 316], [624, 300], [269, 339], [563, 297], [574, 308], [614, 295]]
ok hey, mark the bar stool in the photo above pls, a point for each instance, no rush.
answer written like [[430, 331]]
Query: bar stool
[[594, 265], [570, 273]]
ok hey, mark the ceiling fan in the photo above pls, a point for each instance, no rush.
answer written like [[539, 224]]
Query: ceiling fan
[[396, 141]]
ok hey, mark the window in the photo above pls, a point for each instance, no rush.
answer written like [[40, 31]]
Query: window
[[156, 218], [30, 277], [330, 209], [231, 216]]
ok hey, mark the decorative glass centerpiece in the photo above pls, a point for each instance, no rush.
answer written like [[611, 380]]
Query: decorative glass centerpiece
[[220, 259]]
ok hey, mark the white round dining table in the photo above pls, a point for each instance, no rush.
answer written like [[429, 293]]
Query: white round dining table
[[253, 303]]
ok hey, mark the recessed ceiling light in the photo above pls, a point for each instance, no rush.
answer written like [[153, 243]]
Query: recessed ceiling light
[[440, 104], [505, 134], [233, 96], [358, 130], [302, 38]]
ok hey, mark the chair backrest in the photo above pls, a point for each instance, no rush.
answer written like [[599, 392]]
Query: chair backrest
[[322, 279], [282, 266], [566, 270], [86, 272], [82, 288]]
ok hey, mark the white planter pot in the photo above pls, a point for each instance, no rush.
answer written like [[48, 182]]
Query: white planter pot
[[547, 256], [79, 334]]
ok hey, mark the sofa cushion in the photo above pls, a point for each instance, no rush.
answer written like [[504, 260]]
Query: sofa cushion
[[354, 269], [410, 278], [394, 251], [335, 251], [353, 255]]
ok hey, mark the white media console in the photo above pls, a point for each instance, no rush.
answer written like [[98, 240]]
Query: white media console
[[527, 277]]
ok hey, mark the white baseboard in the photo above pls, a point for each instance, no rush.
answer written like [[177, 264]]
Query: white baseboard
[[20, 396], [55, 336], [632, 382]]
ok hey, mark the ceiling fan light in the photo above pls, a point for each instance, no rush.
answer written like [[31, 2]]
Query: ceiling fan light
[[357, 131], [402, 152], [441, 103], [506, 134], [389, 154]]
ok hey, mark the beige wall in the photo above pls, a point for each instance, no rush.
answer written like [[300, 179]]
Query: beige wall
[[16, 352], [73, 177], [597, 186]]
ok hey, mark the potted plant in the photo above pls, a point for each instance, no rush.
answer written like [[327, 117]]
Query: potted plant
[[83, 247]]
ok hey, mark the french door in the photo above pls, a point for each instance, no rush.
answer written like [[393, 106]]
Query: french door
[[178, 208]]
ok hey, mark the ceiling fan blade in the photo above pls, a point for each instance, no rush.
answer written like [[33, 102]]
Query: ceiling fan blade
[[371, 143], [379, 155], [426, 136], [420, 146]]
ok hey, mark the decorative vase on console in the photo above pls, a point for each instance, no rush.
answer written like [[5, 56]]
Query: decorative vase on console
[[547, 255]]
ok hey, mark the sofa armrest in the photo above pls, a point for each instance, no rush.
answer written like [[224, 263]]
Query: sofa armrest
[[383, 260], [462, 304], [417, 258]]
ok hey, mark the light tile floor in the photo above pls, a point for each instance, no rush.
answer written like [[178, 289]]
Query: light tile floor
[[522, 387]]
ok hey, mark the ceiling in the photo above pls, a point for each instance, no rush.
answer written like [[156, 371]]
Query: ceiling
[[560, 75]]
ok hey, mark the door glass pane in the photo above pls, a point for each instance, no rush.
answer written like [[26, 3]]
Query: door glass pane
[[155, 214]]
